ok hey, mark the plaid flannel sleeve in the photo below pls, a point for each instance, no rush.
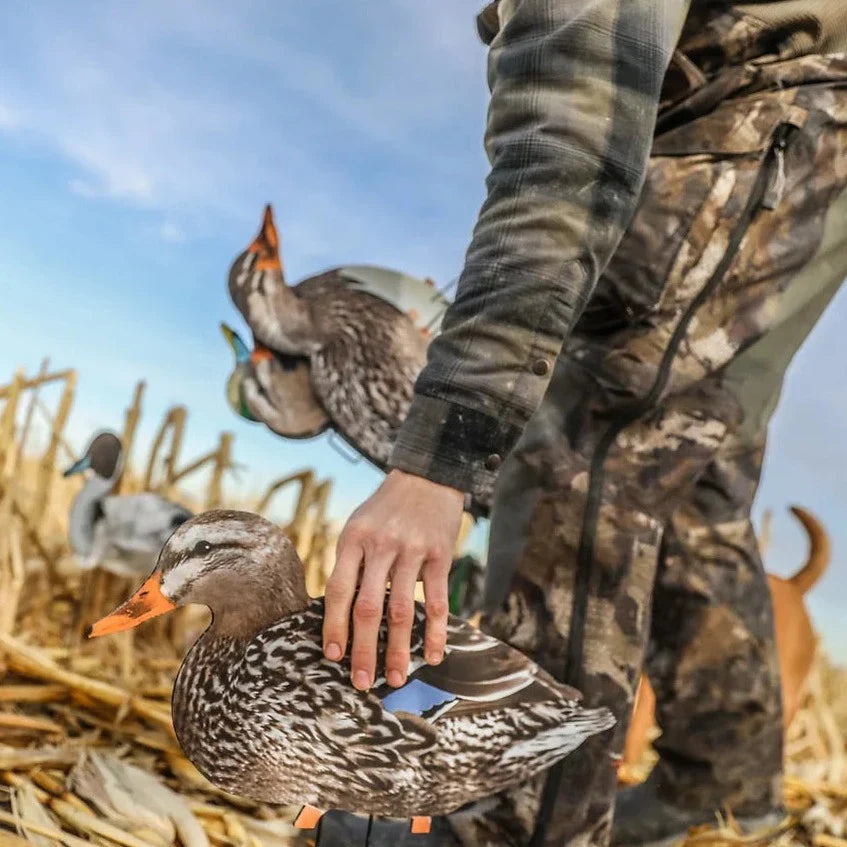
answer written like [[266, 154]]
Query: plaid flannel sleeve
[[575, 86]]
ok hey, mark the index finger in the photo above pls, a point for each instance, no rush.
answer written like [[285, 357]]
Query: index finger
[[338, 597]]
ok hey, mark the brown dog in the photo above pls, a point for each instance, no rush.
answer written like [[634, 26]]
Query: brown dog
[[795, 641]]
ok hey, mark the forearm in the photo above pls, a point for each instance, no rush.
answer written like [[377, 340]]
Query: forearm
[[574, 92]]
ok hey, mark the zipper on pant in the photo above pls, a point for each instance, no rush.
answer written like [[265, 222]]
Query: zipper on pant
[[766, 192]]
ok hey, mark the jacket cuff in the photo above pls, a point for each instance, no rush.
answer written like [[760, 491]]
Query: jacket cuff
[[453, 445]]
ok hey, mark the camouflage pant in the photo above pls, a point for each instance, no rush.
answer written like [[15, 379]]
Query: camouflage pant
[[629, 493]]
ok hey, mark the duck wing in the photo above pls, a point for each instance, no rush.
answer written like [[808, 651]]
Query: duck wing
[[364, 372], [478, 673], [141, 523], [417, 298]]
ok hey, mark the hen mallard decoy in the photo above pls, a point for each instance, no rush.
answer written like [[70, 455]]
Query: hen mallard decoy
[[261, 713], [123, 533], [339, 350], [362, 351]]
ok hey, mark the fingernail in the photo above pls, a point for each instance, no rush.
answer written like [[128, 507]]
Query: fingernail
[[395, 679], [362, 680], [332, 651], [434, 658]]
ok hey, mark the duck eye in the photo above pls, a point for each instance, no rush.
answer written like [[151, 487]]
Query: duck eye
[[201, 548]]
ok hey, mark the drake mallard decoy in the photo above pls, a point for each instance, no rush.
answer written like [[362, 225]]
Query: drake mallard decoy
[[124, 533], [261, 713], [273, 389]]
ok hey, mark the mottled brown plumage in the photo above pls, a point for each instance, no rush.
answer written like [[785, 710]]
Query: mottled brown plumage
[[260, 711]]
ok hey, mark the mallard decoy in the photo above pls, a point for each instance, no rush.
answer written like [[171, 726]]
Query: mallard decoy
[[123, 534], [359, 331], [363, 352], [261, 713], [273, 389]]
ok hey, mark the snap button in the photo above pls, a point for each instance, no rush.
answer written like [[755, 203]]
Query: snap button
[[541, 367], [492, 462]]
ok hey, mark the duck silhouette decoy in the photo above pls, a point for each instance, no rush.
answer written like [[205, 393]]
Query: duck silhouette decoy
[[261, 713], [122, 533]]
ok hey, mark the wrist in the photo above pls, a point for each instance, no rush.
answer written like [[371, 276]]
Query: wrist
[[400, 477]]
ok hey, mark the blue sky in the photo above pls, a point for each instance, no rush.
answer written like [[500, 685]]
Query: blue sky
[[139, 142]]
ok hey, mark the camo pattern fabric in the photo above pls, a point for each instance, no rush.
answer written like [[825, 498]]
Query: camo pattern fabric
[[711, 655], [631, 460]]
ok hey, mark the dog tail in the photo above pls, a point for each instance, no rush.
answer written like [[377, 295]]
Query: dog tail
[[819, 551]]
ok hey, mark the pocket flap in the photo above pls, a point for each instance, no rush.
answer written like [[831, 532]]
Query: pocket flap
[[736, 127]]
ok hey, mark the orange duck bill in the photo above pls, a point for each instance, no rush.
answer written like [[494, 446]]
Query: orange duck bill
[[266, 244], [260, 354], [148, 602]]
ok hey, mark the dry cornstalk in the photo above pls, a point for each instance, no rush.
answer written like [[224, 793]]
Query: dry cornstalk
[[31, 531], [57, 834], [234, 828], [133, 413], [25, 722], [32, 693], [727, 835], [173, 422], [206, 810], [826, 788], [92, 825], [17, 781], [30, 661], [47, 782], [47, 466], [151, 742], [824, 840], [14, 758], [158, 692], [23, 436], [162, 664], [7, 839], [12, 393]]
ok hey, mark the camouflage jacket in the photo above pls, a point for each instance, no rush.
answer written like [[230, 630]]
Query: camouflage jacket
[[576, 87]]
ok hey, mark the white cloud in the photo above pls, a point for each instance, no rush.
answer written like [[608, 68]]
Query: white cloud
[[142, 101]]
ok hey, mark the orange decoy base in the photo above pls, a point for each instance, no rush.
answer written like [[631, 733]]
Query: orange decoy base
[[421, 826], [308, 817]]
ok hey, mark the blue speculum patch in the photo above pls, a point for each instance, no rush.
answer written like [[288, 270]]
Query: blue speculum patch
[[416, 697]]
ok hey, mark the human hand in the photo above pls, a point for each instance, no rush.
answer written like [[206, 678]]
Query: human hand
[[406, 529]]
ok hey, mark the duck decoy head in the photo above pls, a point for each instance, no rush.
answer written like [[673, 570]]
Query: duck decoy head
[[265, 246], [235, 383], [102, 455], [260, 257], [273, 389], [240, 565]]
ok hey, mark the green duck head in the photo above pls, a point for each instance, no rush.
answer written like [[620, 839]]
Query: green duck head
[[243, 361]]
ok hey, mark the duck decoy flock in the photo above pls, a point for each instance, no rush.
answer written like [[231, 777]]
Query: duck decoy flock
[[261, 713], [121, 533], [339, 350]]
